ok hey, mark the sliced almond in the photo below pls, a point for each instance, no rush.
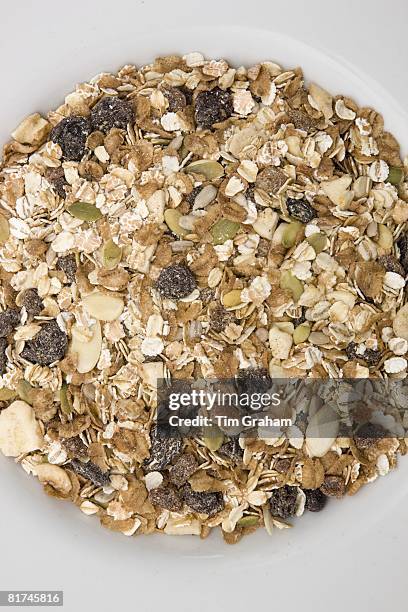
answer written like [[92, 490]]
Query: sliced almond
[[87, 353], [322, 431], [19, 430], [103, 306], [209, 168]]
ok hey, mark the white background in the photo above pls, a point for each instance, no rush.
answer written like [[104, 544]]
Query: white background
[[352, 557]]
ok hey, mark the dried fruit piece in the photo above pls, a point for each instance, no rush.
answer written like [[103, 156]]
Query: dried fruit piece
[[67, 264], [71, 134], [176, 98], [111, 254], [103, 306], [220, 318], [32, 302], [49, 345], [300, 210], [203, 502], [232, 450], [283, 502], [224, 230], [333, 486], [172, 217], [166, 497], [181, 471], [111, 112], [4, 229], [370, 356], [90, 471], [3, 358], [9, 319], [19, 430], [212, 106], [86, 352], [253, 380], [85, 211], [163, 450], [403, 249], [209, 168], [315, 500], [176, 282], [55, 476]]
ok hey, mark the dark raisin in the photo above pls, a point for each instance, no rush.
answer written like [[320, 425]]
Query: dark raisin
[[207, 295], [162, 451], [370, 356], [192, 195], [301, 120], [56, 177], [75, 448], [299, 320], [176, 282], [220, 318], [315, 500], [9, 319], [271, 180], [232, 450], [333, 486], [49, 345], [166, 497], [71, 134], [283, 502], [212, 107], [111, 112], [391, 264], [181, 471], [175, 97], [300, 210], [368, 435], [32, 302], [90, 471], [204, 503], [253, 380], [67, 264], [3, 358], [283, 465], [403, 249]]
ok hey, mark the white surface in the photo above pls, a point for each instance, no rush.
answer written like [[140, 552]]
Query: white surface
[[352, 556]]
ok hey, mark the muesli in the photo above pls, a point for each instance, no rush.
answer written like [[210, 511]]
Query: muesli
[[190, 219]]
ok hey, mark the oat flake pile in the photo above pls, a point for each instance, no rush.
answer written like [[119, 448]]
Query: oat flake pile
[[191, 219]]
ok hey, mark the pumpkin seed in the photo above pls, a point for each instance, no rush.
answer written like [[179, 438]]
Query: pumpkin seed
[[112, 254], [318, 241], [213, 437], [209, 168], [66, 405], [6, 394], [232, 298], [25, 391], [248, 521], [395, 175], [290, 233], [85, 211], [301, 333], [103, 306], [292, 284], [172, 217], [224, 230], [4, 229]]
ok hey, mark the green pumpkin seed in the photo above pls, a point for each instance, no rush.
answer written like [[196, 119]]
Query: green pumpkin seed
[[111, 254], [224, 230], [213, 437], [292, 284], [318, 241], [6, 394], [395, 175], [301, 333], [248, 521], [25, 391], [4, 229], [66, 405], [290, 233], [209, 168], [85, 211], [172, 217]]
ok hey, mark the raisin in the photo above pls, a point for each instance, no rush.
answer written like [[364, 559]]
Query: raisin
[[315, 500], [163, 450], [300, 210], [403, 249], [282, 465], [301, 120], [32, 302], [283, 502], [333, 486], [56, 176], [90, 471], [111, 112], [181, 471], [167, 498], [3, 358], [370, 356], [212, 107], [220, 318], [271, 180], [391, 264], [368, 435], [176, 282], [232, 450], [9, 319], [253, 380], [203, 502], [207, 295], [71, 134], [75, 448], [49, 345], [67, 264], [176, 99]]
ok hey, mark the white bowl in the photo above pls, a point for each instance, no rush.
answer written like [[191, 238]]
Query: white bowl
[[56, 535]]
